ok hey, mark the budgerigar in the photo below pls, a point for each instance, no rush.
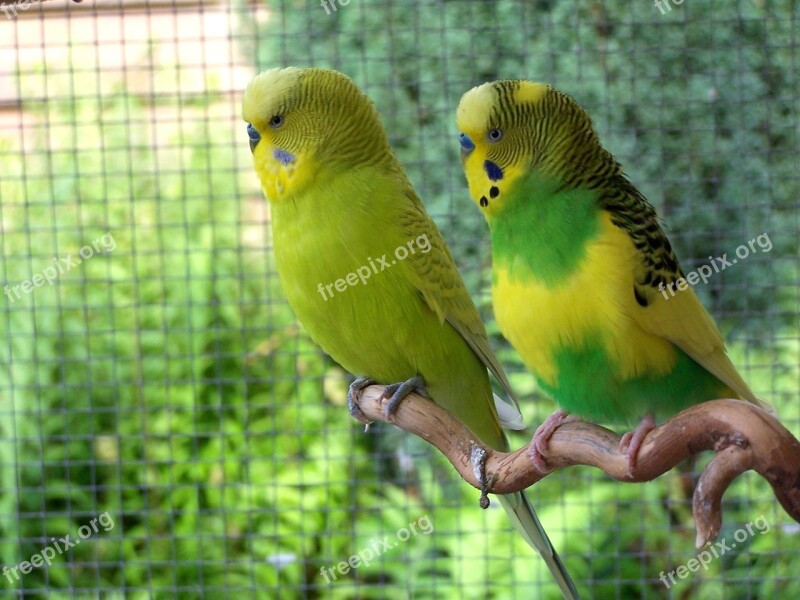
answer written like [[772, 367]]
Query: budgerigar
[[581, 268], [362, 264]]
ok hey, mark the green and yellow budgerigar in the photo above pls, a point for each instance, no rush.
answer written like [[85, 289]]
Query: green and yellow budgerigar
[[362, 264], [581, 267]]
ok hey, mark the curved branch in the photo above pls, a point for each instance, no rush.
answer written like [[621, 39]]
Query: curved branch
[[742, 435]]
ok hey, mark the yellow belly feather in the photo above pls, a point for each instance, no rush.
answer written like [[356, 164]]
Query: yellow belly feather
[[596, 303]]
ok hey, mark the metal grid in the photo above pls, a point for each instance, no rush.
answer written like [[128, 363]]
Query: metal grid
[[160, 406]]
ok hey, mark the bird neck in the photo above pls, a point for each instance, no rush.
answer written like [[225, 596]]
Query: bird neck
[[543, 229]]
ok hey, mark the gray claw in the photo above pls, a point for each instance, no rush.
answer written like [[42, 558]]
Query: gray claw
[[397, 392], [353, 396]]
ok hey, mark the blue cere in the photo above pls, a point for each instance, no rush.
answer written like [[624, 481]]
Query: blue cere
[[283, 157], [466, 143]]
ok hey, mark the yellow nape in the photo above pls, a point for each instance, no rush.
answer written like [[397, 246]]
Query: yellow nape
[[595, 304], [530, 92]]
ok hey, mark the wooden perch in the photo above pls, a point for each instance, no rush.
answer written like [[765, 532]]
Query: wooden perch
[[742, 436]]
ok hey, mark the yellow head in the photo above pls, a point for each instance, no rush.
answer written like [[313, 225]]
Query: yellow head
[[510, 129], [306, 124]]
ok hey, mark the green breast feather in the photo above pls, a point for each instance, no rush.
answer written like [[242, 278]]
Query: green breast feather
[[578, 271]]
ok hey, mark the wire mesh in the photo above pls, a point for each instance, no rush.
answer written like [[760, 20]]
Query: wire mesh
[[169, 430]]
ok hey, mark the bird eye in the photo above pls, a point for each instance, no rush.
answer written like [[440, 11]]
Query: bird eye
[[276, 121], [495, 135]]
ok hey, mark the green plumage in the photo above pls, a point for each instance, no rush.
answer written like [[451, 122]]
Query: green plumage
[[581, 263], [568, 223], [340, 204], [386, 328]]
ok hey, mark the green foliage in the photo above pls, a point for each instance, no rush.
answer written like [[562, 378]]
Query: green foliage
[[164, 380]]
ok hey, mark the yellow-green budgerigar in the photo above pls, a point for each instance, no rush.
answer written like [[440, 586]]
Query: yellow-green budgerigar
[[581, 268], [365, 268]]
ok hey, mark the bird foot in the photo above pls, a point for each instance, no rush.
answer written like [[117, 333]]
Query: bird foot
[[631, 442], [397, 392], [353, 397], [543, 435]]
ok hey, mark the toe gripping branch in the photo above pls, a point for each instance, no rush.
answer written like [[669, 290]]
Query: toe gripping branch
[[742, 436]]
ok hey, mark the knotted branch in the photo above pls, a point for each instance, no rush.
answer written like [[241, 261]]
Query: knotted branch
[[742, 436]]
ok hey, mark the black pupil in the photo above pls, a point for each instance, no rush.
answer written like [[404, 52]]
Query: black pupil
[[494, 134], [275, 121]]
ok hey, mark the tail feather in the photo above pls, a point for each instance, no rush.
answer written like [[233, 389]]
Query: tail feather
[[521, 513], [508, 414]]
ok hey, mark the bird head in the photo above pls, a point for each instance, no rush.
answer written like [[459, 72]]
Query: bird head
[[306, 123], [512, 129]]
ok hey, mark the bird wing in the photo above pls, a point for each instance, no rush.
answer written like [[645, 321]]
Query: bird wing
[[680, 319], [435, 276]]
